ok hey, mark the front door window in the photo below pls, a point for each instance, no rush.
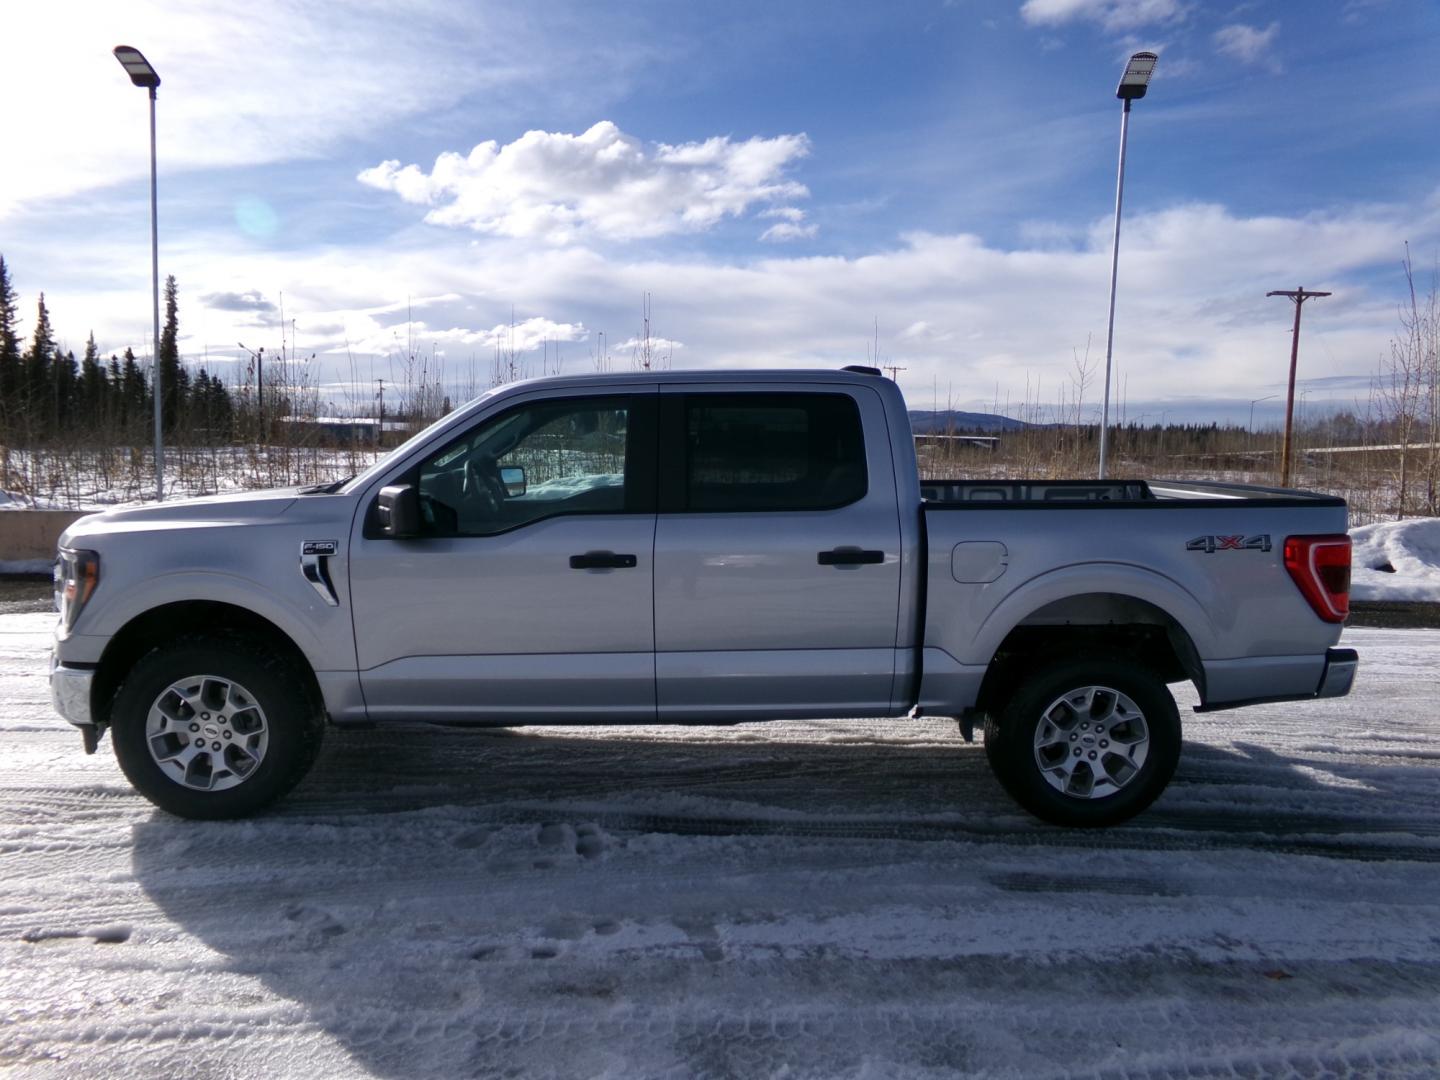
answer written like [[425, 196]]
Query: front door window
[[536, 461]]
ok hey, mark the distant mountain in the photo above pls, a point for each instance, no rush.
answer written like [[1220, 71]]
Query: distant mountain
[[929, 422]]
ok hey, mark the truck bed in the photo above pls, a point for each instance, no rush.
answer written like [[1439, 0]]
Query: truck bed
[[1134, 494]]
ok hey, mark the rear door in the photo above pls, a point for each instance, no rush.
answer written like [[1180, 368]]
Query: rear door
[[777, 554], [529, 597]]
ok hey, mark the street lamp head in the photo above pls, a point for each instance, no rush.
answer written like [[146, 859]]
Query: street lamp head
[[1137, 76], [137, 67]]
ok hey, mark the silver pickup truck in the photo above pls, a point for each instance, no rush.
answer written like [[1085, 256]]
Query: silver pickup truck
[[692, 548]]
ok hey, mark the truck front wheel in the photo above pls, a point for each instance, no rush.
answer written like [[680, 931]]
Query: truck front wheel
[[215, 727], [1086, 742]]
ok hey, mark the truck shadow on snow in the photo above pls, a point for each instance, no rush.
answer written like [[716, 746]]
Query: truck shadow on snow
[[439, 900]]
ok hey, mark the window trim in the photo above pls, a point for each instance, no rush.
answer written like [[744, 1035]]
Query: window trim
[[674, 464], [641, 451]]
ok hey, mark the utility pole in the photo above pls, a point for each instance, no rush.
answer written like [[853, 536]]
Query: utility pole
[[380, 429], [257, 357], [1298, 296], [894, 371]]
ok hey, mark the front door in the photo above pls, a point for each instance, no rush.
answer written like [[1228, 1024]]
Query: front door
[[529, 597]]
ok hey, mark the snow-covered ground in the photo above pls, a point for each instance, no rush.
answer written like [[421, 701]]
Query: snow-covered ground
[[1396, 560], [797, 900]]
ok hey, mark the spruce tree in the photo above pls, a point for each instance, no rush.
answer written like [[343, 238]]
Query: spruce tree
[[133, 398], [172, 386], [90, 393], [113, 422], [38, 363], [10, 364], [63, 380]]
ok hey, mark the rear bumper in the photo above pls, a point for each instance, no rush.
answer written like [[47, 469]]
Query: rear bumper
[[1274, 679], [1340, 665], [70, 692]]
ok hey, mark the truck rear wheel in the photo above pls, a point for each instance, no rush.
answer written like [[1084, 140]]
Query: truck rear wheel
[[215, 727], [1086, 742]]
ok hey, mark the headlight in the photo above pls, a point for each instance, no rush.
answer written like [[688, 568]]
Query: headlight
[[76, 575]]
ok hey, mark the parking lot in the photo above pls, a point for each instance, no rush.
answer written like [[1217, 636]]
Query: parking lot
[[796, 899]]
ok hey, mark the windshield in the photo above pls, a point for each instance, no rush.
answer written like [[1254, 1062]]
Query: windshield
[[400, 452]]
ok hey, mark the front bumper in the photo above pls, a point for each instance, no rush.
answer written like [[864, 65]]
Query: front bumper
[[70, 692]]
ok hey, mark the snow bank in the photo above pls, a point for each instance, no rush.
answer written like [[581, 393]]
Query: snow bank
[[1396, 560], [10, 500]]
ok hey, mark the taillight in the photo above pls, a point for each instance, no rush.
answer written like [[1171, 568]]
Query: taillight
[[1320, 566]]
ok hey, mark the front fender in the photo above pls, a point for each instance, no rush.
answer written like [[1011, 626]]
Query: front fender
[[322, 633]]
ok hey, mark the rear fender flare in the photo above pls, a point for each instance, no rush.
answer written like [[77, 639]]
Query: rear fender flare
[[1120, 579]]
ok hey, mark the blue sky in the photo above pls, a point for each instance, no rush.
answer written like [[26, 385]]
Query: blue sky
[[791, 183]]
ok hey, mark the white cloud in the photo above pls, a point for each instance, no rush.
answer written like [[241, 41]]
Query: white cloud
[[249, 82], [658, 345], [1112, 14], [1359, 11], [1248, 44], [787, 231], [922, 331], [792, 225], [526, 336], [974, 319], [558, 187]]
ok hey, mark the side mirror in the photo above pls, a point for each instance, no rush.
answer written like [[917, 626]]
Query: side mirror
[[397, 511], [513, 477]]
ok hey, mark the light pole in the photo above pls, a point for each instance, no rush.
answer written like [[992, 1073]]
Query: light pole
[[1253, 403], [142, 74], [1132, 86]]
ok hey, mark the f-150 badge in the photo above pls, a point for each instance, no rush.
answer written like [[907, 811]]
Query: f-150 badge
[[1212, 544], [314, 564]]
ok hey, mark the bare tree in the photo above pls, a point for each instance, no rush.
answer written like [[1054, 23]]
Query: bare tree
[[1407, 393]]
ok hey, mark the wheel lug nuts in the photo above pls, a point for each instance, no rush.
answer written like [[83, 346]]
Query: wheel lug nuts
[[1073, 736], [1092, 755], [1078, 751], [227, 735], [1104, 743], [216, 746], [194, 727], [1084, 727], [204, 716]]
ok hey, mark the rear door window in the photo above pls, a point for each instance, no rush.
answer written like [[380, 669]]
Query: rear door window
[[772, 452]]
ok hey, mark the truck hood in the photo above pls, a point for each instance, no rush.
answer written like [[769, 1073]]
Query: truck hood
[[244, 508]]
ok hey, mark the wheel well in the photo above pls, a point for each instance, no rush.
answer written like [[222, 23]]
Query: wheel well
[[1104, 623], [170, 621]]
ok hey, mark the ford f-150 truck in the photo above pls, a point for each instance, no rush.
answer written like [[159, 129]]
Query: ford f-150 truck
[[692, 548]]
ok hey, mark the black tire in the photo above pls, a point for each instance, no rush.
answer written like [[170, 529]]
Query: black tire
[[1011, 738], [293, 721]]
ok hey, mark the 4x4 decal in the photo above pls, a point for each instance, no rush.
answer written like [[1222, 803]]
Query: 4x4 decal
[[1212, 544]]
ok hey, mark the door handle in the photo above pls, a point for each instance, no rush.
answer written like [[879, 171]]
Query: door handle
[[849, 556], [602, 560]]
